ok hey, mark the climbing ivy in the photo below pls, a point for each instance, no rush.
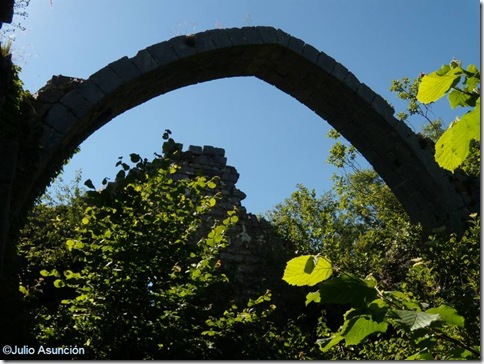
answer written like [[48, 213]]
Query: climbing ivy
[[14, 100]]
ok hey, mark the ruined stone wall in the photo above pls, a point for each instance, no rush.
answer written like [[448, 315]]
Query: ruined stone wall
[[255, 257]]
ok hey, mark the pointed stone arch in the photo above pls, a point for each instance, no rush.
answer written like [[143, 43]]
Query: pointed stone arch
[[298, 69]]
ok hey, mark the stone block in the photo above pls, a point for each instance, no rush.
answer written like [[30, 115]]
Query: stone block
[[220, 38], [144, 61], [90, 92], [197, 150], [184, 45], [203, 42], [202, 159], [282, 38], [106, 79], [237, 36], [220, 160], [326, 62], [268, 35], [125, 69], [352, 82], [60, 118], [50, 138], [252, 35], [296, 45], [212, 151], [76, 103], [340, 72], [365, 93], [382, 107], [310, 53]]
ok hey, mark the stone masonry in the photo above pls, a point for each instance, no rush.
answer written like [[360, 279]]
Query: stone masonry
[[63, 118], [255, 256]]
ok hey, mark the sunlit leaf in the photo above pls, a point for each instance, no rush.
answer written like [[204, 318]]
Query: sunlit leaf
[[296, 272], [59, 283], [452, 148], [23, 290], [313, 297], [433, 86], [44, 273]]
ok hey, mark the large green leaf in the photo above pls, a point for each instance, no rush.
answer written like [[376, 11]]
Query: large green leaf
[[347, 290], [452, 147], [459, 98], [434, 85], [360, 327], [447, 314], [307, 270], [413, 319]]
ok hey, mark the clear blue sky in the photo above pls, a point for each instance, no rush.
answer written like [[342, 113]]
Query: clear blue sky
[[274, 141]]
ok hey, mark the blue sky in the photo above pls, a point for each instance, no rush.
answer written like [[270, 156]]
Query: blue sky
[[274, 141]]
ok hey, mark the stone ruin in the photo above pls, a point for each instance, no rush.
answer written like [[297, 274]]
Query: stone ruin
[[255, 257]]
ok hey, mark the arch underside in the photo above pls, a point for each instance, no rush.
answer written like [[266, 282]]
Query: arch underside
[[296, 68]]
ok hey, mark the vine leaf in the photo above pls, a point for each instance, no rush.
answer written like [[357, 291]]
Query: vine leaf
[[307, 270], [415, 320]]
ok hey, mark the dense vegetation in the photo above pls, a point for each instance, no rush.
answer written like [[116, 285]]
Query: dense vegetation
[[128, 271]]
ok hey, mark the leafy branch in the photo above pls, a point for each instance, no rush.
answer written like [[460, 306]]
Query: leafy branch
[[372, 310]]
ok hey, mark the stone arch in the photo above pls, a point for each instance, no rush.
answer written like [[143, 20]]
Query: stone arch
[[298, 69]]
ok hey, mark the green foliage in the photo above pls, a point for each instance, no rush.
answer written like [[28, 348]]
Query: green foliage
[[453, 146], [307, 270], [129, 271], [407, 90], [373, 311], [14, 101]]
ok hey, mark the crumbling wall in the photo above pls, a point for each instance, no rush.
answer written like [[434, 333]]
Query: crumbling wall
[[255, 256]]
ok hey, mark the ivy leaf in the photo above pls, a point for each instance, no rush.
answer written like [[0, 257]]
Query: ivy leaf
[[296, 272], [347, 290], [448, 314], [414, 320], [434, 85], [452, 147], [359, 327]]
